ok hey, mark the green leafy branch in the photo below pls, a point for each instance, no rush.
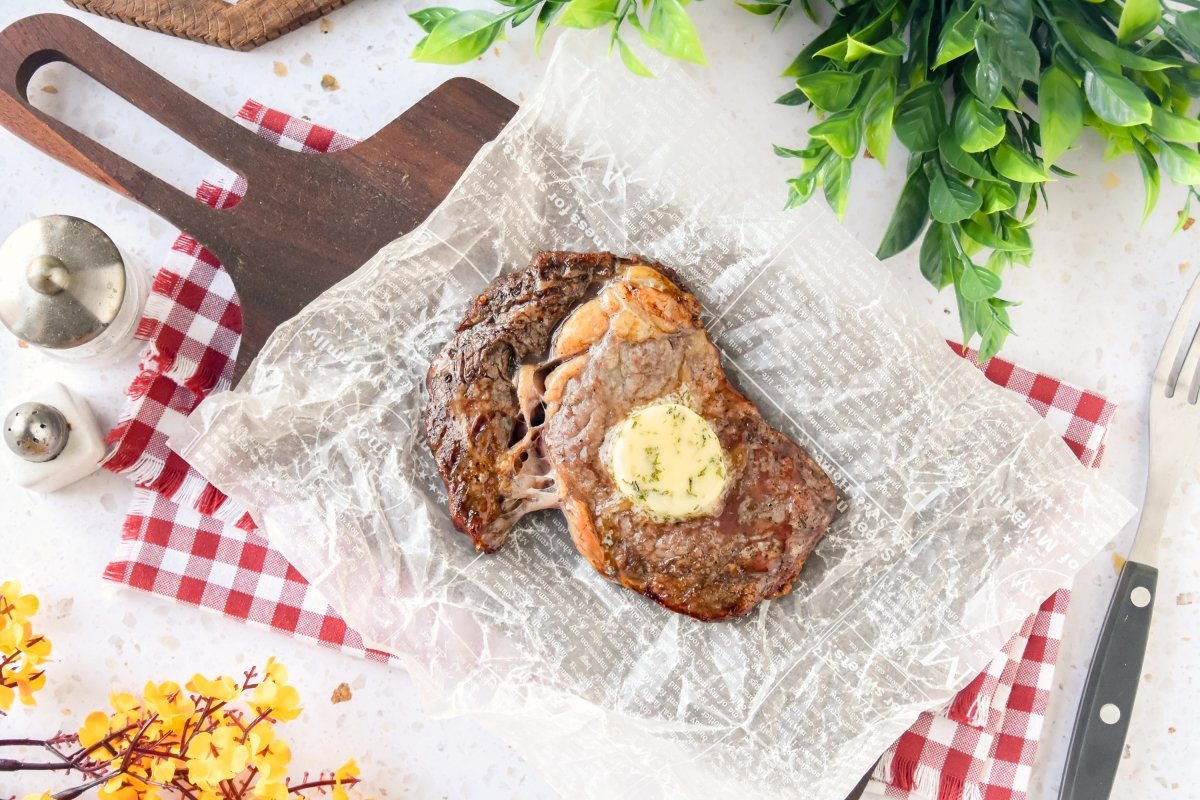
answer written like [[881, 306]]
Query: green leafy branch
[[454, 37], [986, 96], [950, 79]]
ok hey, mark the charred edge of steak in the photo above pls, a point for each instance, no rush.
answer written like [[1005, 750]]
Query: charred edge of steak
[[481, 425]]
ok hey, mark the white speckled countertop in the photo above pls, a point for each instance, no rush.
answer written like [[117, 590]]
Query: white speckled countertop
[[1097, 304]]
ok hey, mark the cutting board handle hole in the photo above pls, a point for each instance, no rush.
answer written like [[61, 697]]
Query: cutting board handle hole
[[74, 98]]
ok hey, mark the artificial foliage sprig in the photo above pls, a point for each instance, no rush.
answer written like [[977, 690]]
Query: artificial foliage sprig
[[211, 739], [452, 36], [986, 96]]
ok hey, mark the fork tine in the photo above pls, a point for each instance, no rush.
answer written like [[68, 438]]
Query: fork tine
[[1186, 383], [1170, 363]]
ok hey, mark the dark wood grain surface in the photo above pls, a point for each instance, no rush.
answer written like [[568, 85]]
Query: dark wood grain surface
[[243, 25], [308, 219]]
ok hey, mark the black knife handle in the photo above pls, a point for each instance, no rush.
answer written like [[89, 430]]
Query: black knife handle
[[1112, 682]]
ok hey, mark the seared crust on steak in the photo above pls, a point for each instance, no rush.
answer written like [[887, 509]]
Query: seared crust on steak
[[546, 364]]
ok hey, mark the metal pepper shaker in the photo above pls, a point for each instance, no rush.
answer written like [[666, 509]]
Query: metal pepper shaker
[[66, 289]]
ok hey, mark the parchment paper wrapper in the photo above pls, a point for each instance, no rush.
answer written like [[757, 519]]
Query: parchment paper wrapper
[[961, 510]]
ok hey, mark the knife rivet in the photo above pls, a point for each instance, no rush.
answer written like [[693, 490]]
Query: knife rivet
[[1110, 714], [1140, 597]]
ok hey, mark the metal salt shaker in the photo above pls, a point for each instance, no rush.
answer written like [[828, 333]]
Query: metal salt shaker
[[66, 289], [36, 432]]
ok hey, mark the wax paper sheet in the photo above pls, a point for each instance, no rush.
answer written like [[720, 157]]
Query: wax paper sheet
[[960, 509]]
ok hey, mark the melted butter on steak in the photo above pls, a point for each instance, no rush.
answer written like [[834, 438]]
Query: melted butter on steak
[[667, 460], [528, 401]]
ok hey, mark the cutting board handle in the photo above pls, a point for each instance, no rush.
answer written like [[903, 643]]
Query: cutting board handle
[[33, 42]]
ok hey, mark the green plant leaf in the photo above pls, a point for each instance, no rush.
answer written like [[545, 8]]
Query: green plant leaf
[[989, 238], [428, 18], [1180, 162], [988, 80], [588, 13], [830, 90], [998, 197], [976, 126], [1016, 165], [523, 14], [787, 152], [1015, 52], [951, 200], [1114, 98], [1104, 50], [920, 117], [763, 9], [805, 61], [977, 284], [800, 190], [631, 61], [459, 38], [995, 331], [933, 262], [910, 216], [550, 10], [966, 312], [841, 131], [958, 36], [1150, 177], [960, 160], [795, 97], [1173, 127], [1138, 18], [835, 178], [1061, 105], [671, 32], [877, 116], [1187, 25], [856, 50]]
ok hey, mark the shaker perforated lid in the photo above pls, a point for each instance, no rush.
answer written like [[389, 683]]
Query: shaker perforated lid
[[62, 282]]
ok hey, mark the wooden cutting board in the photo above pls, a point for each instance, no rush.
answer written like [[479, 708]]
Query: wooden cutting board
[[241, 26], [308, 219]]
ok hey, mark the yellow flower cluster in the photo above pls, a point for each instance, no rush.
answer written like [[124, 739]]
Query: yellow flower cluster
[[22, 652], [209, 740]]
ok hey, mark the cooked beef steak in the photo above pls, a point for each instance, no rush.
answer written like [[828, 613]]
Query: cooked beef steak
[[523, 403]]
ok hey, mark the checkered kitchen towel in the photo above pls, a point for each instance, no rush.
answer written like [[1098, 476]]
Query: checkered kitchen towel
[[185, 540]]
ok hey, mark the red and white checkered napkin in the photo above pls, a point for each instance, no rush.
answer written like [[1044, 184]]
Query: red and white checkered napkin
[[185, 540]]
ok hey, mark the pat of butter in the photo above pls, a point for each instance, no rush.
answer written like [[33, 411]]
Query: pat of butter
[[668, 461]]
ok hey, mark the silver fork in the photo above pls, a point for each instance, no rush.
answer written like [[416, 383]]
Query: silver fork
[[1112, 682]]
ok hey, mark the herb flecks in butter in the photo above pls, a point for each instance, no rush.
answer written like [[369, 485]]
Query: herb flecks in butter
[[668, 461]]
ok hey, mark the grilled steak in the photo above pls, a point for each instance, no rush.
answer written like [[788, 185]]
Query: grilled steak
[[551, 367]]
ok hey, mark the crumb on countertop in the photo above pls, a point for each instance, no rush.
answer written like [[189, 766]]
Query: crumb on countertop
[[280, 69], [341, 694], [330, 83]]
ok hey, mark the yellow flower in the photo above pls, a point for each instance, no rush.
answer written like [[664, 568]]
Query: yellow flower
[[117, 789], [268, 754], [15, 605], [6, 697], [42, 796], [28, 684], [223, 688], [168, 701], [124, 702], [95, 729], [163, 771], [275, 670], [282, 701], [344, 772], [271, 789]]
